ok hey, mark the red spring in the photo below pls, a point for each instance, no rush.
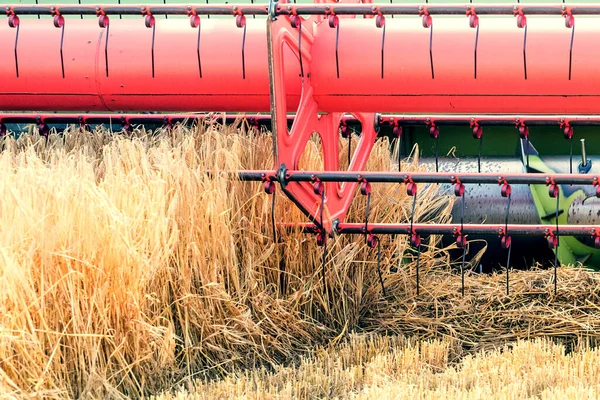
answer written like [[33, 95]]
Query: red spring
[[240, 21], [319, 188], [344, 130], [415, 240], [365, 188], [569, 21], [553, 190], [521, 21], [597, 242], [477, 132], [380, 21], [523, 131], [434, 131], [505, 190], [59, 21], [553, 241], [13, 21], [194, 21], [459, 189], [2, 129], [269, 187], [473, 20], [321, 239], [411, 189], [149, 21], [461, 241], [397, 131], [506, 241], [333, 21], [103, 21], [567, 129], [426, 20], [296, 21], [372, 241], [43, 129], [598, 191]]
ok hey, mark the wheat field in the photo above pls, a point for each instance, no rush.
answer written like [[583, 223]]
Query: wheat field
[[127, 270]]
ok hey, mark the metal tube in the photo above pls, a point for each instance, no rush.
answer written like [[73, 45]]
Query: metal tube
[[407, 85]]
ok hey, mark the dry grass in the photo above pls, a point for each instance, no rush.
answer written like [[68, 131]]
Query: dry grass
[[125, 269], [367, 367]]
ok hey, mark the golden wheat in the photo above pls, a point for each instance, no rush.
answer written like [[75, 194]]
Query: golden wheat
[[126, 269]]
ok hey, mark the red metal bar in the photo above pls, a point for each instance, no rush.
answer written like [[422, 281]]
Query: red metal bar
[[100, 118], [416, 177], [453, 229], [499, 88], [315, 9]]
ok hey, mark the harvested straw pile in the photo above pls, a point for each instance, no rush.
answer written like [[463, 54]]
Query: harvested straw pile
[[125, 269]]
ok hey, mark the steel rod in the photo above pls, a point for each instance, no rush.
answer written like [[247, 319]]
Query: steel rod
[[345, 228], [315, 9], [418, 177]]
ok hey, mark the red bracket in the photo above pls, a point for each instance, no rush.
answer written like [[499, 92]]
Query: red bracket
[[552, 239], [522, 128], [553, 189], [505, 240], [473, 17], [461, 240], [566, 128], [505, 189], [477, 129], [310, 118], [521, 18]]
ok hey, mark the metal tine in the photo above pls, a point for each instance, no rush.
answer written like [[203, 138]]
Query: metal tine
[[195, 23], [506, 191], [415, 239], [459, 191], [474, 23], [119, 2], [554, 191], [150, 22], [79, 2], [319, 189], [477, 134], [334, 22], [296, 22], [434, 132], [568, 135], [427, 22], [380, 23], [240, 22], [375, 238], [104, 22], [365, 190], [570, 23], [59, 22], [37, 3], [14, 22], [522, 23]]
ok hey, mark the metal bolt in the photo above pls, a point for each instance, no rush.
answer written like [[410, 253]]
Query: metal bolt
[[583, 154]]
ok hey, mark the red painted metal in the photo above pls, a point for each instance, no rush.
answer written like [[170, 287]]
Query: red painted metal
[[407, 84]]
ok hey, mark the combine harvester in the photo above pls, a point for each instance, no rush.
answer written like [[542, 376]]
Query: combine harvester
[[517, 75]]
